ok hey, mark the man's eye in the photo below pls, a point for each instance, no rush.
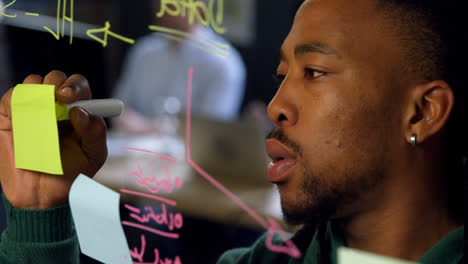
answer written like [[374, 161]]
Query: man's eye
[[312, 74]]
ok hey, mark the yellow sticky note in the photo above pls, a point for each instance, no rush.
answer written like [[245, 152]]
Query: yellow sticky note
[[35, 131], [61, 111]]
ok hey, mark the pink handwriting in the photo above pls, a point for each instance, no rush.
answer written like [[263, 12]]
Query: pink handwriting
[[289, 247], [152, 184], [150, 196], [138, 254], [171, 220], [152, 230]]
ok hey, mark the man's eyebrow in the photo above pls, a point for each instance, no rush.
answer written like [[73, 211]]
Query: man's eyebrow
[[311, 47], [315, 46]]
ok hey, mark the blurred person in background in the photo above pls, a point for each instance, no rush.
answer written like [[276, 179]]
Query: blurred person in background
[[153, 82]]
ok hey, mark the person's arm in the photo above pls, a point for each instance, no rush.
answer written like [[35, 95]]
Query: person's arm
[[223, 87], [131, 121], [134, 123], [39, 223], [38, 236]]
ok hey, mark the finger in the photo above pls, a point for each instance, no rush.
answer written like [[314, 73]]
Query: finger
[[92, 130], [73, 89], [33, 79], [56, 78], [5, 111]]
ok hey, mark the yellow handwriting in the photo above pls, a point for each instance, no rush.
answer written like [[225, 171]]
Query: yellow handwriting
[[31, 14], [196, 10], [187, 35], [207, 49], [107, 32], [5, 7], [64, 18]]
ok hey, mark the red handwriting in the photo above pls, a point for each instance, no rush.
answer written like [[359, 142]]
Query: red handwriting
[[152, 184], [138, 254], [171, 220]]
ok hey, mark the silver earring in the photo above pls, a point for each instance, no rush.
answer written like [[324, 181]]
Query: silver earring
[[413, 140]]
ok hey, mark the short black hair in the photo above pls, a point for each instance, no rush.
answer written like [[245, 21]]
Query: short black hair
[[433, 34]]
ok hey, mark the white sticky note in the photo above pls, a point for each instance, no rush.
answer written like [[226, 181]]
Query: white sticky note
[[353, 256], [95, 211]]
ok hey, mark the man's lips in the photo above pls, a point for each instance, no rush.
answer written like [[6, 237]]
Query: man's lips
[[282, 159]]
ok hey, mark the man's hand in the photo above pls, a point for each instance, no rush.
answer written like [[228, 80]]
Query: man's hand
[[82, 146]]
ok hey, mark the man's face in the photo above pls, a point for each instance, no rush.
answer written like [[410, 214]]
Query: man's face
[[337, 111]]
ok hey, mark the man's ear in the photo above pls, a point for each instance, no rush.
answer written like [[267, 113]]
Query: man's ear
[[430, 105]]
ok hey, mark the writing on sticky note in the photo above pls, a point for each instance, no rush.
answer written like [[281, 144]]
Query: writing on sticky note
[[351, 256], [35, 131], [95, 211]]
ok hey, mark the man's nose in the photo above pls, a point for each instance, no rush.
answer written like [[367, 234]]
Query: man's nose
[[283, 110]]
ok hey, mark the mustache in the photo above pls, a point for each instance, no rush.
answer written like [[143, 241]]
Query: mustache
[[281, 136]]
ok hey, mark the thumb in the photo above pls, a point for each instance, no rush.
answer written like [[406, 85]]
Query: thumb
[[92, 131]]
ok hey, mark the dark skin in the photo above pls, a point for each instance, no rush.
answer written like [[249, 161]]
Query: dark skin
[[82, 141], [350, 103]]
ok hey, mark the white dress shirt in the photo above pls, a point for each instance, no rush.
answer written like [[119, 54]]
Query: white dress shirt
[[154, 78]]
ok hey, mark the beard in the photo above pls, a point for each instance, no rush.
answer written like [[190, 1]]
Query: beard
[[318, 200], [312, 204]]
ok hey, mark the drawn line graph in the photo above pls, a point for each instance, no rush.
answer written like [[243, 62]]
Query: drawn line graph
[[170, 159], [271, 225]]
